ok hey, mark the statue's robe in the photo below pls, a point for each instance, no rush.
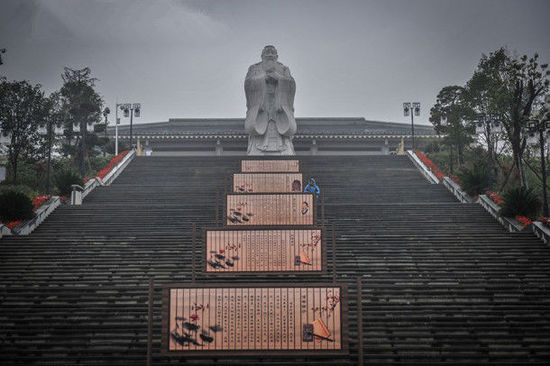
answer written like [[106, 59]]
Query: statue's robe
[[270, 122]]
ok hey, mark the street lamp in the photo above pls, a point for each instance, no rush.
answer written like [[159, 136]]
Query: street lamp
[[131, 110], [443, 122], [117, 122], [415, 112], [491, 126], [106, 112], [49, 132]]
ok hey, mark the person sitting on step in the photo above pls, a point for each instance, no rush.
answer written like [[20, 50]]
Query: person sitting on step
[[312, 187]]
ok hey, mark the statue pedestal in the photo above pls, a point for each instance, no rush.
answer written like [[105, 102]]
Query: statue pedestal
[[272, 143], [257, 148]]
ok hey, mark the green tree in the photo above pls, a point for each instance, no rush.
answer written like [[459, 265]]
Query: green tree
[[56, 117], [23, 108], [515, 89], [83, 105], [450, 104], [481, 96], [504, 88]]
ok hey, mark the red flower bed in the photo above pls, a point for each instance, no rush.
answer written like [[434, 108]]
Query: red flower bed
[[525, 221], [13, 224], [39, 201], [545, 221], [36, 203], [112, 163], [435, 170], [431, 166], [495, 197], [456, 179]]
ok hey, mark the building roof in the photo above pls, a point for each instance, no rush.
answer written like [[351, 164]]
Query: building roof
[[306, 126]]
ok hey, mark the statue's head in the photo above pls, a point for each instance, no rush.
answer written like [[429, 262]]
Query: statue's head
[[269, 53]]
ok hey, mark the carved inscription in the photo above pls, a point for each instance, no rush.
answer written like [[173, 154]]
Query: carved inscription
[[263, 250], [266, 166], [267, 183], [269, 209], [255, 318]]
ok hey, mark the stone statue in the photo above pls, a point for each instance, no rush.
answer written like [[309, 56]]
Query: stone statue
[[401, 148], [270, 122]]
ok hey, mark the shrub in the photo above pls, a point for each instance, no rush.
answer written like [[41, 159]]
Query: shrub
[[476, 180], [99, 162], [27, 174], [15, 206], [432, 147], [122, 145], [64, 179], [520, 201], [26, 190]]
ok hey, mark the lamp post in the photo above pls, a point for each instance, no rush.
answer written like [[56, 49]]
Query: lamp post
[[106, 112], [443, 122], [131, 110], [117, 122], [415, 112], [48, 189]]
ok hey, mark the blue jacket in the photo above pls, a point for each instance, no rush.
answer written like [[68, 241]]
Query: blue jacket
[[312, 187]]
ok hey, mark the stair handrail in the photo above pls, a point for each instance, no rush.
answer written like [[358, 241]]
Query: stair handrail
[[115, 172], [89, 186], [455, 189], [79, 193], [492, 208], [77, 187], [42, 212], [541, 231], [509, 223], [423, 168]]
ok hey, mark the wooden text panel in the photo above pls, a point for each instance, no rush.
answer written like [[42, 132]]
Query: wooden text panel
[[265, 166], [267, 182], [269, 209], [213, 318], [263, 250]]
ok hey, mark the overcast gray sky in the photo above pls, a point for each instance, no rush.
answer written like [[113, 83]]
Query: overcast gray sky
[[189, 58]]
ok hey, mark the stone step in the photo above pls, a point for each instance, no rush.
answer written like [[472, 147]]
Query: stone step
[[443, 282]]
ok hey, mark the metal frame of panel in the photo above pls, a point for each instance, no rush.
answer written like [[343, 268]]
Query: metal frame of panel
[[266, 227], [166, 322], [271, 158], [313, 207], [278, 173]]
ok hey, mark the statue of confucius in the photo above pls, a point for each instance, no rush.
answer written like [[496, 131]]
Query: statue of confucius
[[270, 91]]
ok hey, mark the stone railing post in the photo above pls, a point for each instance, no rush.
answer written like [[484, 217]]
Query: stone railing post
[[76, 194]]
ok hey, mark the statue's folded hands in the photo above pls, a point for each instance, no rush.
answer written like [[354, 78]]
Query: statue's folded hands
[[271, 78]]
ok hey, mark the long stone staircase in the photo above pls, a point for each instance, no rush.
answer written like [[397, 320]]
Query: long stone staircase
[[443, 282]]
